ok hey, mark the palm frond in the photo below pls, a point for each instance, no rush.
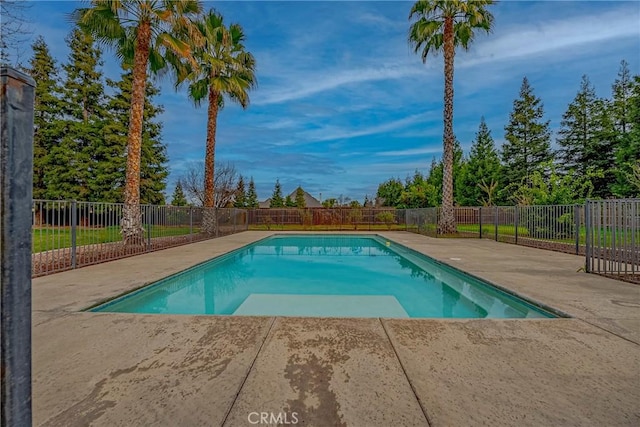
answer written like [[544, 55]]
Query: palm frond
[[426, 33], [199, 90], [223, 64]]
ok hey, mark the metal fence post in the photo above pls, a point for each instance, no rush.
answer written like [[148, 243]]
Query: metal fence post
[[149, 215], [215, 215], [191, 223], [16, 191], [234, 219], [516, 221], [576, 221], [74, 227], [587, 223], [480, 219], [495, 221]]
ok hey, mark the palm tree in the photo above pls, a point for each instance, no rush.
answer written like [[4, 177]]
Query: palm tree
[[146, 35], [444, 25], [224, 68]]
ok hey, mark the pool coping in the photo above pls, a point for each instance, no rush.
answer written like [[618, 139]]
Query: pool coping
[[527, 300]]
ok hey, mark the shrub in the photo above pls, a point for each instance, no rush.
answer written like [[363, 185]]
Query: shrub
[[387, 217]]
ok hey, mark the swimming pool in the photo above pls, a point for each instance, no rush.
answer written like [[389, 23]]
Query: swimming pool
[[327, 276]]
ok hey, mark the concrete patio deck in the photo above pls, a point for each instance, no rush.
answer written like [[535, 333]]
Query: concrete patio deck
[[128, 369]]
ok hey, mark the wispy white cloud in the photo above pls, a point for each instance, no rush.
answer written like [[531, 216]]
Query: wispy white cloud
[[330, 134], [312, 84], [387, 170], [281, 124], [411, 151], [378, 19], [561, 35]]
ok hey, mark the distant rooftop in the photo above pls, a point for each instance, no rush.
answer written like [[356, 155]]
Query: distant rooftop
[[309, 200]]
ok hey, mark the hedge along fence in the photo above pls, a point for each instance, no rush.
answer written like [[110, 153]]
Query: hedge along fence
[[327, 219]]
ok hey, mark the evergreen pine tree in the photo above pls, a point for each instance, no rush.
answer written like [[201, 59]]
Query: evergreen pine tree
[[47, 113], [390, 192], [252, 195], [178, 198], [111, 156], [626, 116], [434, 176], [418, 193], [528, 137], [288, 203], [240, 194], [622, 99], [300, 201], [483, 166], [109, 179], [153, 160], [71, 165], [276, 199], [587, 139]]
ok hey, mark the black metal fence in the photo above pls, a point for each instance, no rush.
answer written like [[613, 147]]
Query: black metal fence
[[69, 234], [613, 237], [556, 227]]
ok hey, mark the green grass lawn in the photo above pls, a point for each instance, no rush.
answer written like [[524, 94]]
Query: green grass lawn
[[490, 230], [49, 238], [508, 230]]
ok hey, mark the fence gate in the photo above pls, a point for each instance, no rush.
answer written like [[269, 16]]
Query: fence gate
[[613, 237]]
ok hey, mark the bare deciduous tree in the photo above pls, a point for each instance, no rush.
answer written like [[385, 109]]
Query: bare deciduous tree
[[14, 30], [225, 180]]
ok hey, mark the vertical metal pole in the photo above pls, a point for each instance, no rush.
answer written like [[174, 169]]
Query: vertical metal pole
[[480, 219], [587, 224], [234, 211], [576, 221], [74, 226], [516, 221], [495, 220], [634, 229], [148, 215], [215, 213], [191, 223], [16, 192]]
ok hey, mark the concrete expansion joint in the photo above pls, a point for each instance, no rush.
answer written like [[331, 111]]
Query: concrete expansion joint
[[607, 330], [404, 372], [244, 380]]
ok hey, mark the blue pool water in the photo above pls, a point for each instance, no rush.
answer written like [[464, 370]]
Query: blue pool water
[[325, 275]]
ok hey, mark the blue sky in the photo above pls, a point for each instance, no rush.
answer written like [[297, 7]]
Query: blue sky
[[342, 102]]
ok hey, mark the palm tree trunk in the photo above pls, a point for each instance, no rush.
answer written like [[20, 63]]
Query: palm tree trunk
[[447, 223], [131, 224], [209, 217]]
